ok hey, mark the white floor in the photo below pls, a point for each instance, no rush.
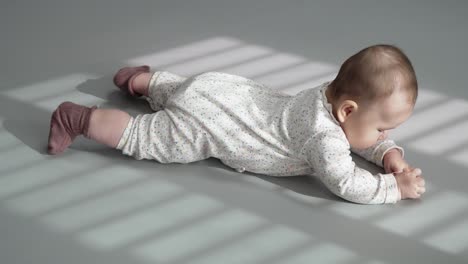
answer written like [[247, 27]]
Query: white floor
[[94, 205]]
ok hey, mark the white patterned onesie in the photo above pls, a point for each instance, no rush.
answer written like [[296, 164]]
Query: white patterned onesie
[[251, 127]]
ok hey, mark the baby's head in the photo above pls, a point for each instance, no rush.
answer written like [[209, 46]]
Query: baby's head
[[375, 91]]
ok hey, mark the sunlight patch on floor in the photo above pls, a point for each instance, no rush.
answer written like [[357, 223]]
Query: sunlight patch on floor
[[273, 62], [424, 121], [16, 150], [7, 141], [149, 222], [256, 246], [296, 75], [460, 157], [184, 52], [323, 253], [74, 188], [414, 219], [213, 62], [451, 239], [443, 140], [136, 196], [34, 171], [49, 94]]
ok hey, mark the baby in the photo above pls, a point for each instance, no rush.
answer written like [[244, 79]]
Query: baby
[[249, 126]]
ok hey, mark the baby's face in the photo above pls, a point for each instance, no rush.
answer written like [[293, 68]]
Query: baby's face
[[371, 122]]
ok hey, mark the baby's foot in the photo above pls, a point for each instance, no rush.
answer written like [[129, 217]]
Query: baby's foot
[[67, 122], [125, 76]]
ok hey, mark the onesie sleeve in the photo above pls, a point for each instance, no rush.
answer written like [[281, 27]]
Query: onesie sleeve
[[376, 153], [330, 157]]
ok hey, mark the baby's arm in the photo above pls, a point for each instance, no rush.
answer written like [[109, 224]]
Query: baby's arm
[[377, 152], [328, 153], [386, 154]]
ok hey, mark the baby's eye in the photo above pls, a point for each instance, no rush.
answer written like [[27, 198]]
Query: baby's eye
[[380, 130]]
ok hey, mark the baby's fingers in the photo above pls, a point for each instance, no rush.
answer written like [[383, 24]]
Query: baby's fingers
[[421, 190], [416, 172], [416, 195], [420, 181]]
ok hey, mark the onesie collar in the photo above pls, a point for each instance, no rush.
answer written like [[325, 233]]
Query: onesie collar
[[327, 105]]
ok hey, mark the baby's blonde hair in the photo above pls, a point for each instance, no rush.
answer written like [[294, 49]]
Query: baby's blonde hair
[[375, 72]]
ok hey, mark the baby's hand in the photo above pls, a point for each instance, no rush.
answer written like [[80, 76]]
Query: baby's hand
[[410, 183], [394, 162]]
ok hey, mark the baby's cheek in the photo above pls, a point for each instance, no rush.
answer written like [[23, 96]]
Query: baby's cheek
[[372, 139], [366, 141]]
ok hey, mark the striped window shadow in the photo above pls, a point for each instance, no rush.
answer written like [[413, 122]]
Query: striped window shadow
[[7, 140], [410, 221], [428, 98], [157, 221], [280, 253], [295, 75], [213, 62], [251, 61], [460, 157], [323, 252], [451, 238], [212, 234], [268, 64], [185, 53], [313, 82], [16, 150], [71, 190], [256, 240], [111, 206], [36, 174], [47, 95], [442, 141], [435, 116]]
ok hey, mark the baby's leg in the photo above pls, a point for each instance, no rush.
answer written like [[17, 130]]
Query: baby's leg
[[165, 136], [161, 86], [70, 120], [156, 87], [106, 126]]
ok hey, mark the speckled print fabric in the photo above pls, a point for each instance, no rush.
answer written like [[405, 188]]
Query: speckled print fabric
[[251, 127], [161, 86]]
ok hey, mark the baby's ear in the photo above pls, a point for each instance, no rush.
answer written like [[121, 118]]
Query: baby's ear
[[345, 109]]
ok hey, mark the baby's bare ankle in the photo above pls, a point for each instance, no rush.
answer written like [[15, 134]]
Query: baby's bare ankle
[[140, 84]]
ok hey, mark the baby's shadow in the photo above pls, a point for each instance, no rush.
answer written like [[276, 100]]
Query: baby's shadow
[[100, 87], [104, 89], [304, 185], [27, 123]]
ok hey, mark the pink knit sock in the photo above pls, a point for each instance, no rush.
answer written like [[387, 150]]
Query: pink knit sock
[[67, 122], [125, 76]]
